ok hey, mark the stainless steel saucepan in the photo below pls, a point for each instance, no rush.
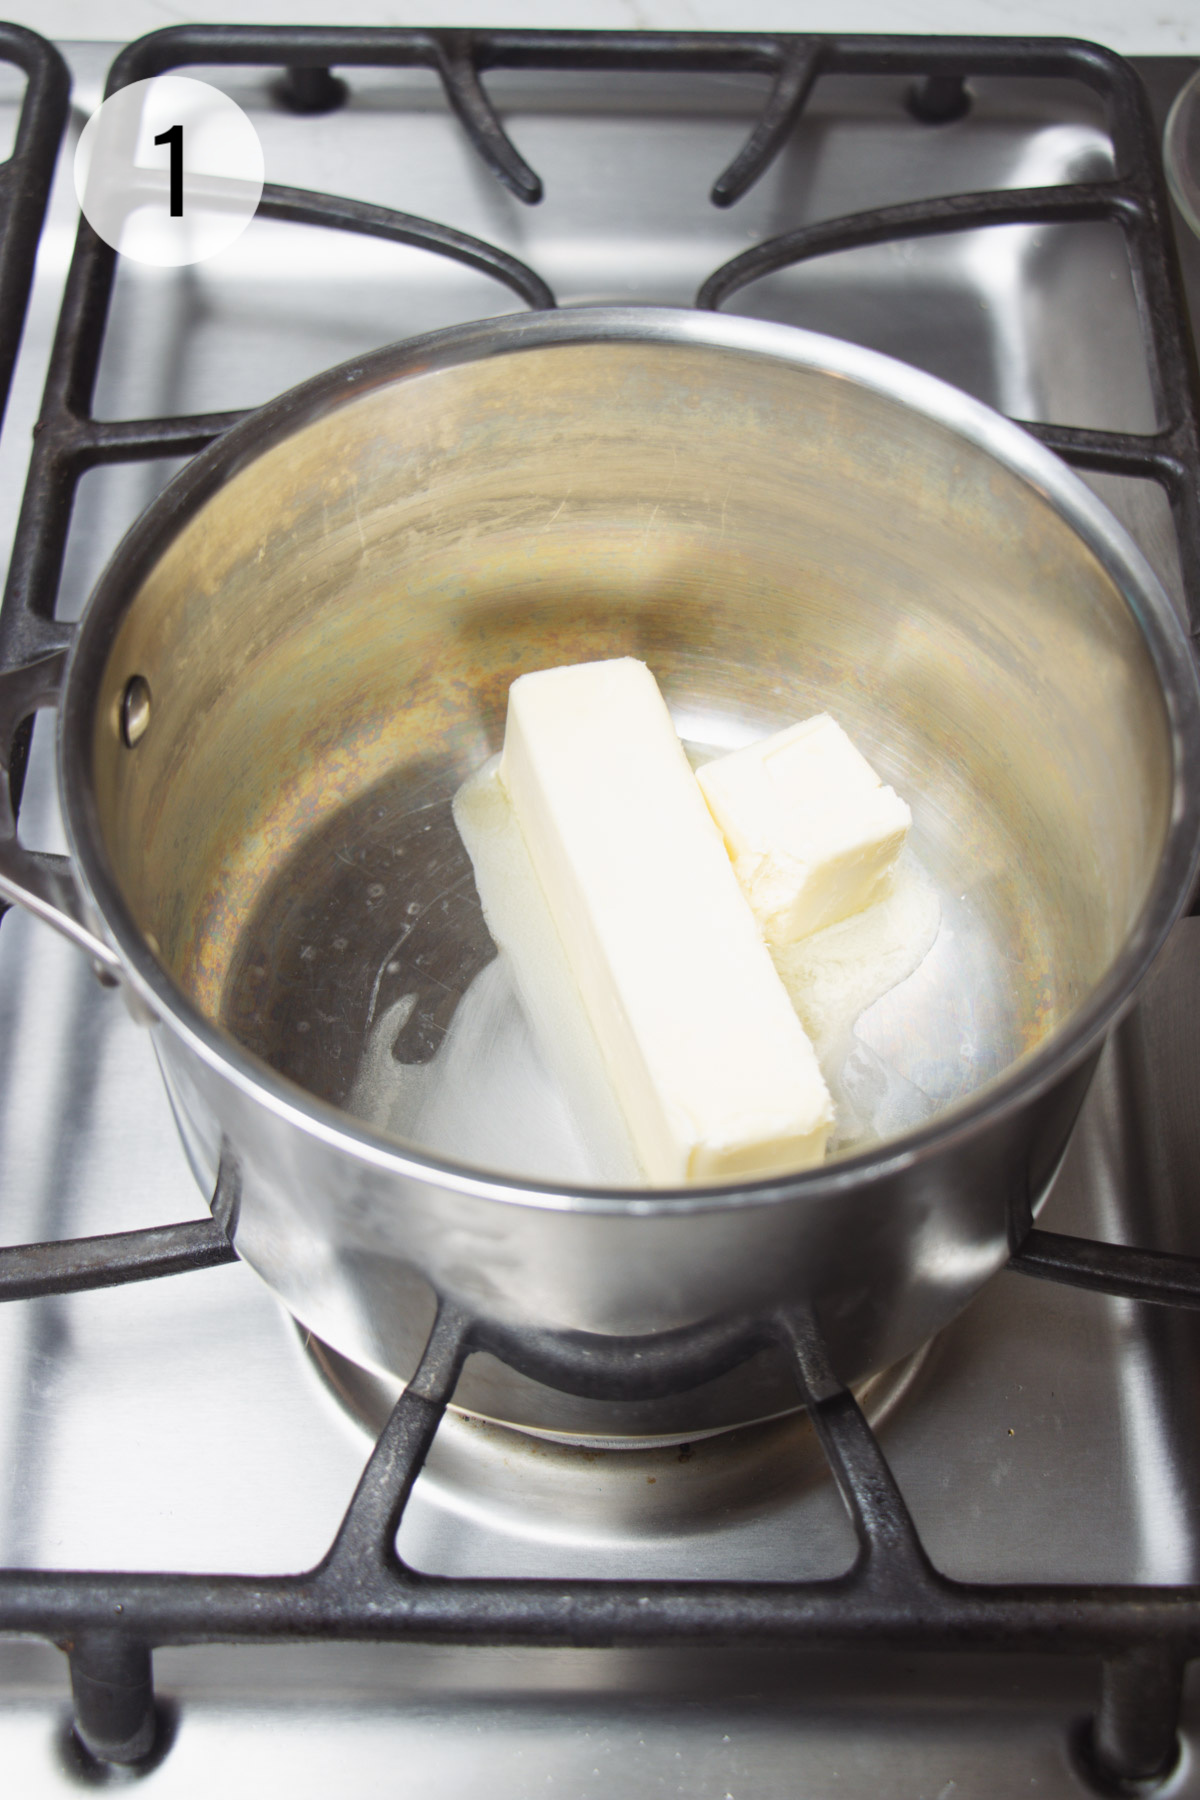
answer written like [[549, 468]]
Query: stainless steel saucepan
[[306, 644]]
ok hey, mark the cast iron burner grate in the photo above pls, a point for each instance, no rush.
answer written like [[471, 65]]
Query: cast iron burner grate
[[110, 1623]]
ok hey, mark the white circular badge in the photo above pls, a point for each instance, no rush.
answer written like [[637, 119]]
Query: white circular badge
[[169, 171]]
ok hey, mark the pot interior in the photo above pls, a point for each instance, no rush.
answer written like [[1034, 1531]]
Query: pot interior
[[328, 643]]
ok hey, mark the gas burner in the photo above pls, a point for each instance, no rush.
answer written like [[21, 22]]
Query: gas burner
[[598, 1501]]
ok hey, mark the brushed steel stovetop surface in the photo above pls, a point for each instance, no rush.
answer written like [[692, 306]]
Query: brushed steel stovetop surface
[[1048, 1435]]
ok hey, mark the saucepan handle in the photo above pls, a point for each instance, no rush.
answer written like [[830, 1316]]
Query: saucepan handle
[[43, 884]]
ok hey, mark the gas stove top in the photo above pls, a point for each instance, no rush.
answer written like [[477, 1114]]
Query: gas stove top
[[1049, 1436]]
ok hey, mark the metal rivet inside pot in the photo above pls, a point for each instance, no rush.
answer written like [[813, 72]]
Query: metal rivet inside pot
[[135, 709]]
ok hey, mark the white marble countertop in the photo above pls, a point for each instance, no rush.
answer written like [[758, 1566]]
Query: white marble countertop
[[1171, 28]]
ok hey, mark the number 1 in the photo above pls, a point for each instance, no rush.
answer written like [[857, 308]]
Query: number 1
[[174, 137]]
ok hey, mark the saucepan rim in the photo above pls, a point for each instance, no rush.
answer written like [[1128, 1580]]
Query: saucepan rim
[[1015, 448]]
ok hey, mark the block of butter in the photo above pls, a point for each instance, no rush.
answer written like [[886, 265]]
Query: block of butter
[[713, 1071], [812, 831]]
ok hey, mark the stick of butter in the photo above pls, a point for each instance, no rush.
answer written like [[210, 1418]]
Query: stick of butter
[[712, 1068], [811, 830]]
